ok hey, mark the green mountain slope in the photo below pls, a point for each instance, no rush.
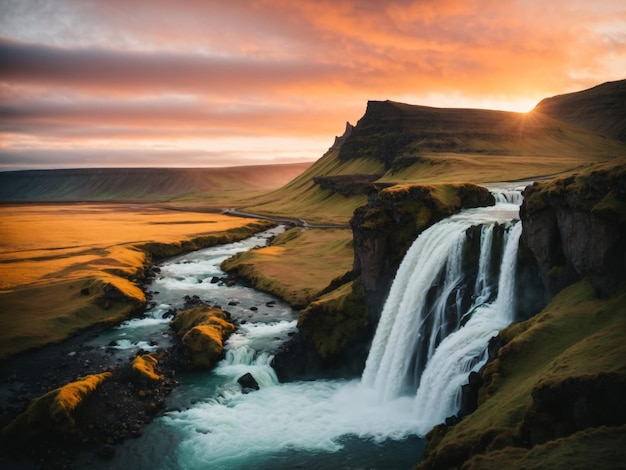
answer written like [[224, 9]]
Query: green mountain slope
[[601, 109], [396, 142]]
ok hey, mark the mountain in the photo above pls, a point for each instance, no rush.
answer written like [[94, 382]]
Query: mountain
[[140, 184], [396, 142], [601, 109]]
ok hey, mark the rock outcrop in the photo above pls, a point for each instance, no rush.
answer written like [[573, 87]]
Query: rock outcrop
[[333, 337], [90, 413], [575, 227], [53, 413], [347, 185], [203, 331]]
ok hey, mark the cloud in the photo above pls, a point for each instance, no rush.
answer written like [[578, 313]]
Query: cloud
[[127, 71], [158, 71], [86, 116]]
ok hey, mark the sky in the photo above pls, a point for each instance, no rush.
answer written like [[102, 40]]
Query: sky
[[202, 83]]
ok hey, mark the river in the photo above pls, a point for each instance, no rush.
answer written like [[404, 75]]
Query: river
[[210, 423], [410, 382]]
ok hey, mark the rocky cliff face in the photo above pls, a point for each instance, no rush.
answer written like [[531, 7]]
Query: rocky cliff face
[[386, 227], [575, 227]]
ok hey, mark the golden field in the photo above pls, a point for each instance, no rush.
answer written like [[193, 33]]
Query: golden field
[[58, 260]]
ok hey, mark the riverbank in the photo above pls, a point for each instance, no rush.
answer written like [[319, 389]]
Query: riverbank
[[57, 297], [67, 267]]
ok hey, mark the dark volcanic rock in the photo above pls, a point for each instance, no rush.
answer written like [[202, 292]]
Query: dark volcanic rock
[[347, 185], [386, 227], [248, 383], [121, 402], [575, 227], [576, 403]]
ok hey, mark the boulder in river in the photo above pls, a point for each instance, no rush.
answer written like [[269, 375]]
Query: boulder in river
[[248, 383], [203, 331]]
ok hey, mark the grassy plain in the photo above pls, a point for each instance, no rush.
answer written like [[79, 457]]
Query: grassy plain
[[298, 265], [59, 261]]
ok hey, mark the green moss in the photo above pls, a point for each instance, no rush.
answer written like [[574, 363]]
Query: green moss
[[335, 319], [598, 448], [611, 207], [556, 272], [375, 218], [203, 331], [588, 190]]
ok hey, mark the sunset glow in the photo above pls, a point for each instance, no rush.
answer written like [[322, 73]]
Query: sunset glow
[[86, 83]]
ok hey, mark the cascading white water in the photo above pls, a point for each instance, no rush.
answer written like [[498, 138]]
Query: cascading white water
[[441, 342], [463, 351], [508, 195]]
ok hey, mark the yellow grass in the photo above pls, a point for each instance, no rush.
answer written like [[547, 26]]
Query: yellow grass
[[49, 253], [146, 366]]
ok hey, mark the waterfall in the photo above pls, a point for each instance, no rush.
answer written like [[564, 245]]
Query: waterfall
[[249, 350], [464, 350], [439, 316], [508, 196]]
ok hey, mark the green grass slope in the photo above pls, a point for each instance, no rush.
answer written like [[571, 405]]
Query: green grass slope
[[306, 199], [396, 142], [554, 390]]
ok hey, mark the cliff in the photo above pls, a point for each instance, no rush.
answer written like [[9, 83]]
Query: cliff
[[575, 227], [400, 136], [552, 393], [386, 227]]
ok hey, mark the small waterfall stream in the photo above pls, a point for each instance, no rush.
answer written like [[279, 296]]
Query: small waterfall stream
[[450, 295]]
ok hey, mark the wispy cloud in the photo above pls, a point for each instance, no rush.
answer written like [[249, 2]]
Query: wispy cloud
[[132, 78]]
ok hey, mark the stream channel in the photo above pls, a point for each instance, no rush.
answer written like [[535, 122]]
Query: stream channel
[[210, 424]]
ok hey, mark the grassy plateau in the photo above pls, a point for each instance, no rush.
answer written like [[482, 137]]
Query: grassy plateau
[[64, 267]]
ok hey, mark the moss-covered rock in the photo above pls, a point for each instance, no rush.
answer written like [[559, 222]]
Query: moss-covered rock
[[386, 227], [333, 335], [203, 331], [575, 227], [335, 319], [52, 413]]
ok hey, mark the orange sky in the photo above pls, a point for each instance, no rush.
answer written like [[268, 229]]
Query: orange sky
[[220, 83]]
